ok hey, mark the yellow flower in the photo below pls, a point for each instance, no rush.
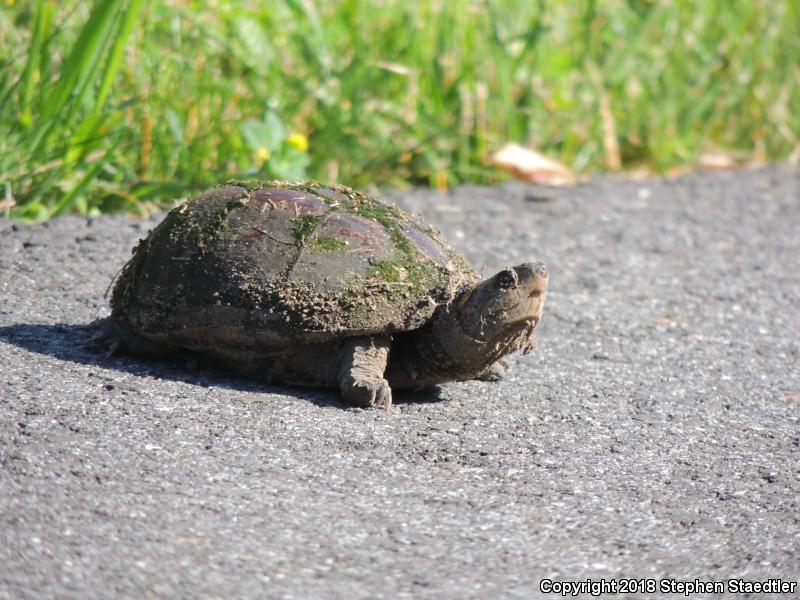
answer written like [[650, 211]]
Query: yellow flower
[[262, 155], [298, 141]]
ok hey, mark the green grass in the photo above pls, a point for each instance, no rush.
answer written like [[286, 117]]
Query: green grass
[[116, 104]]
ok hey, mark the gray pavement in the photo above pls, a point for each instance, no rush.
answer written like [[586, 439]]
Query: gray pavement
[[655, 433]]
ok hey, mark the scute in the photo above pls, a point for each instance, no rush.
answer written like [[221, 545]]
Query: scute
[[359, 244], [286, 261], [424, 244]]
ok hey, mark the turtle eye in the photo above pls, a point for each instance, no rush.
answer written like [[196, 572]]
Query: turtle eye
[[507, 280]]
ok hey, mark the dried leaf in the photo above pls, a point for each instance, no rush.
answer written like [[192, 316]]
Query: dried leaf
[[717, 160], [529, 165]]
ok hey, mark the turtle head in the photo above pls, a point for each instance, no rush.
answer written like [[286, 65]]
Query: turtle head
[[502, 311], [466, 337]]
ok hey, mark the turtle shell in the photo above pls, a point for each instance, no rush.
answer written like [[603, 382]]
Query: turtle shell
[[280, 261]]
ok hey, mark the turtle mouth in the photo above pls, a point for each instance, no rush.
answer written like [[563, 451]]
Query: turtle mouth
[[525, 303]]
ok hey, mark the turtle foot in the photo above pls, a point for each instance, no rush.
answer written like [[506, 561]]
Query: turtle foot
[[367, 394]]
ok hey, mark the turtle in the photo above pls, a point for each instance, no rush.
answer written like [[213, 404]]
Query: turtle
[[306, 284]]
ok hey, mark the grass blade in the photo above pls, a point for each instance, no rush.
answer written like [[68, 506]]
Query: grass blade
[[117, 52], [43, 17], [78, 67]]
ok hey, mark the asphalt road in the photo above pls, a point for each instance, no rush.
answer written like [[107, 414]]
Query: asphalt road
[[655, 432]]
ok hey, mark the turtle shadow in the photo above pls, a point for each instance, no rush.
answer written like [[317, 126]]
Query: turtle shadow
[[73, 343], [427, 395]]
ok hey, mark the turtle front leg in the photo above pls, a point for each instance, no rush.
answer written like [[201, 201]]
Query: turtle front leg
[[361, 368]]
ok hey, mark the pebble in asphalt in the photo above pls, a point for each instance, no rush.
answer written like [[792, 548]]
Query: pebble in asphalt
[[653, 434]]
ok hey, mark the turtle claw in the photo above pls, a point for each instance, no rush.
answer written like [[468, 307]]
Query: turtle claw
[[494, 372], [368, 394], [383, 395]]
